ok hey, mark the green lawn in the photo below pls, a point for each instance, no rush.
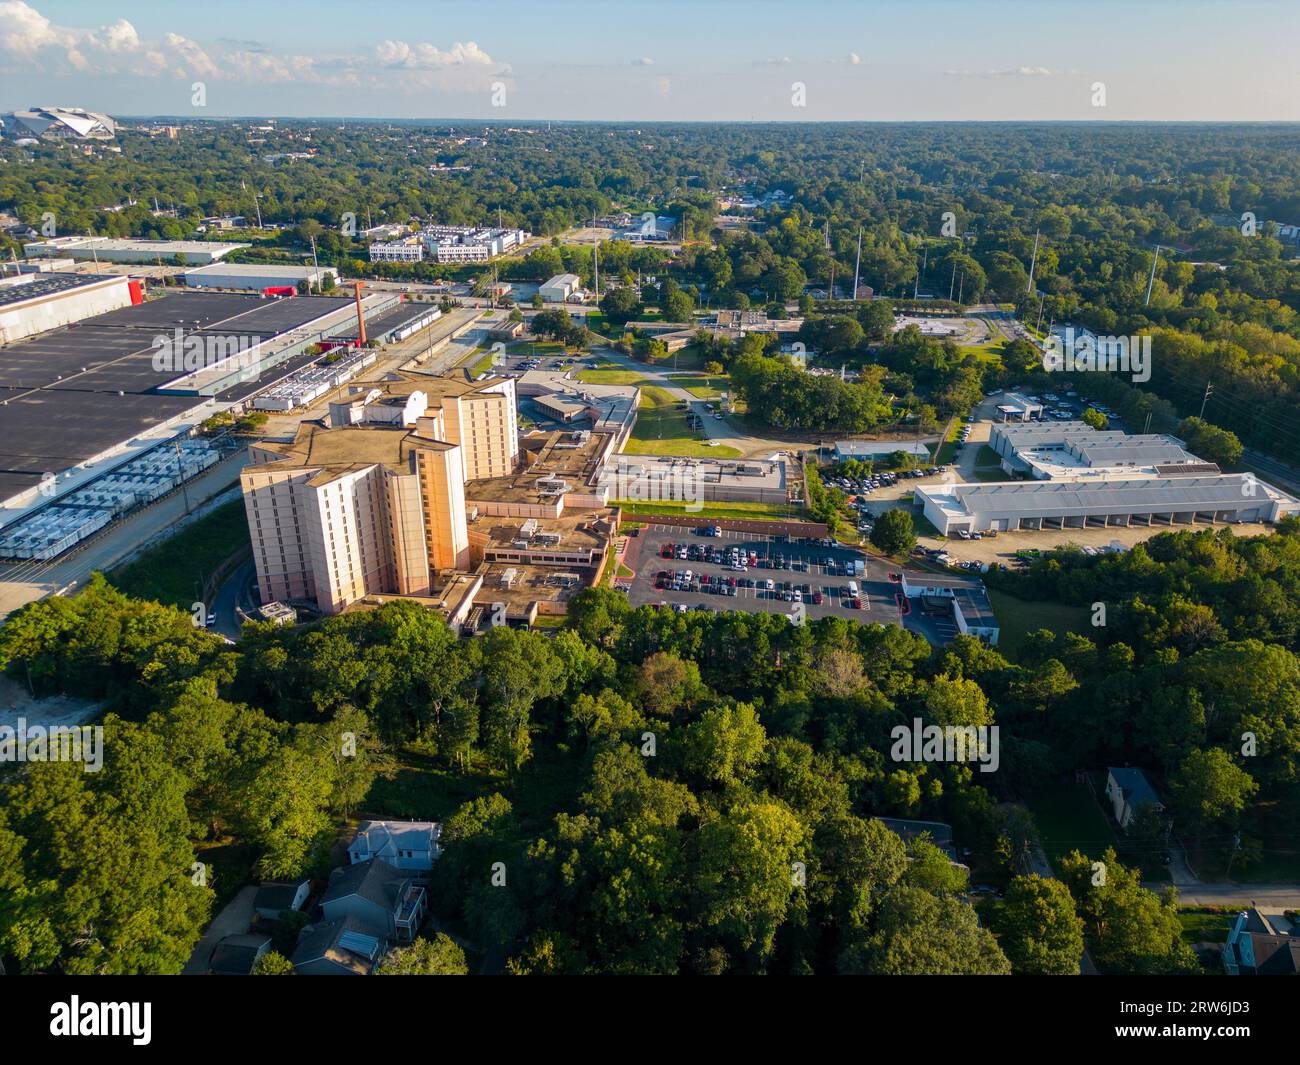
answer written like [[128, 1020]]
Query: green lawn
[[1019, 617], [479, 362], [1069, 819], [703, 386], [1206, 924], [734, 511], [175, 570], [661, 429], [613, 377]]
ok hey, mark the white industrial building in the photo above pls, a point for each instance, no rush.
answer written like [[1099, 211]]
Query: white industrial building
[[34, 303], [559, 288], [59, 123], [469, 244], [132, 250], [873, 450], [1082, 478], [256, 277], [1074, 504]]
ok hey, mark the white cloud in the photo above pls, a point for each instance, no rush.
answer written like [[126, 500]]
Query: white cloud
[[854, 58], [644, 61], [1016, 72], [30, 40]]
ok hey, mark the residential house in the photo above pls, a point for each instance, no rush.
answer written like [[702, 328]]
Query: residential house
[[1128, 791], [343, 947], [1263, 944], [275, 896], [411, 845], [236, 955], [381, 897]]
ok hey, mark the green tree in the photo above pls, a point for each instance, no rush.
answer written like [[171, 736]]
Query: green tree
[[1038, 928], [893, 533], [273, 964], [438, 956]]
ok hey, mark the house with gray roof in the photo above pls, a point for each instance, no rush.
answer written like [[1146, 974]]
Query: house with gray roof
[[381, 897], [410, 845], [1128, 791], [236, 955], [341, 947]]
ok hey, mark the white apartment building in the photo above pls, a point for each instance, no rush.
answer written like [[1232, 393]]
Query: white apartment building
[[410, 250]]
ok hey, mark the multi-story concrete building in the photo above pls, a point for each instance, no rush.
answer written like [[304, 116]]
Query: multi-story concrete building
[[336, 514], [478, 416]]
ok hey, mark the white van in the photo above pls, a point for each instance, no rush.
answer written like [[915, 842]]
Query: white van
[[853, 589]]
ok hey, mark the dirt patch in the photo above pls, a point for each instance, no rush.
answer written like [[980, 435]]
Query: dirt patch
[[16, 702]]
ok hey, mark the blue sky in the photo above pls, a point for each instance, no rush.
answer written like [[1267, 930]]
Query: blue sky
[[667, 60]]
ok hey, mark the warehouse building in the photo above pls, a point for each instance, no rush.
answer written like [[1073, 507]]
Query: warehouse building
[[256, 277], [1160, 500], [79, 401], [559, 288], [133, 250], [32, 303]]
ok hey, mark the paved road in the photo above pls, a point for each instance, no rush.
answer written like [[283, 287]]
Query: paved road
[[723, 431], [1272, 896], [232, 921], [236, 591], [26, 582]]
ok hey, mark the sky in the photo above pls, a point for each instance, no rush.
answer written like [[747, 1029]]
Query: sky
[[667, 60]]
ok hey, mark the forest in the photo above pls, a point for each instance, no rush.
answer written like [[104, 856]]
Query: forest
[[664, 792]]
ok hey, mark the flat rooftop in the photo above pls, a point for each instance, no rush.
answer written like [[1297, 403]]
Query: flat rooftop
[[24, 287], [334, 452], [1030, 498], [571, 458]]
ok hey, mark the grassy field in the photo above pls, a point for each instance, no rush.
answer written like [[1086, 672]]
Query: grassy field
[[661, 429], [1069, 819], [1205, 924], [703, 386], [1019, 617], [612, 377], [735, 511], [479, 362], [175, 570]]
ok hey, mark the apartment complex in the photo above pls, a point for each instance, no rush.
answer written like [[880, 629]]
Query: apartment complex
[[448, 244]]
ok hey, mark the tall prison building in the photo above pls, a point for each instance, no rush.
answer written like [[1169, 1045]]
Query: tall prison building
[[375, 502]]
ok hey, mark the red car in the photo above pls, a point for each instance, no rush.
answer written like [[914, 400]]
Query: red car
[[855, 604], [817, 598]]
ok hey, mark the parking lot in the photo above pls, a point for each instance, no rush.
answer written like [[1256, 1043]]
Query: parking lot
[[792, 564]]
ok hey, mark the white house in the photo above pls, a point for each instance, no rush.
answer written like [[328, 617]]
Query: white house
[[1128, 791], [408, 845]]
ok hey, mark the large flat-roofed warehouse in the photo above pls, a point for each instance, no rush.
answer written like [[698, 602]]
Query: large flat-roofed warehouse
[[131, 250], [1073, 450], [91, 393], [1077, 504], [255, 277], [34, 303]]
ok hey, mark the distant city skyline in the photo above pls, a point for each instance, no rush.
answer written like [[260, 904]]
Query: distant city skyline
[[931, 60]]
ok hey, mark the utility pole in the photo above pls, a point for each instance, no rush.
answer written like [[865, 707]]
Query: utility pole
[[1152, 279], [916, 287], [961, 285], [952, 282], [258, 206], [1209, 391], [1033, 261], [1236, 846], [857, 266], [1038, 326]]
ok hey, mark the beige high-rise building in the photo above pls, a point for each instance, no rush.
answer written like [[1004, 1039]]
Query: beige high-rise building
[[478, 416], [340, 513]]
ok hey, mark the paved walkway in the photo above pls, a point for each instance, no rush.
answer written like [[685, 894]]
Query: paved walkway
[[232, 921]]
